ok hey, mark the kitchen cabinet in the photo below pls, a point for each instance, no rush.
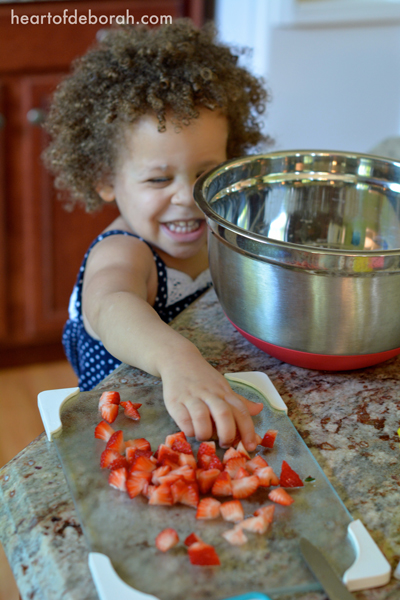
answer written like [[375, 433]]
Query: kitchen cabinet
[[41, 244]]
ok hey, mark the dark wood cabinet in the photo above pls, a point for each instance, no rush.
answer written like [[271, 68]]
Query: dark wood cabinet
[[41, 244]]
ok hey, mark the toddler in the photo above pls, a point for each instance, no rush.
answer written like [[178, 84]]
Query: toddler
[[142, 115]]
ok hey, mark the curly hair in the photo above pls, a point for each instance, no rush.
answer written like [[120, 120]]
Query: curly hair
[[134, 71]]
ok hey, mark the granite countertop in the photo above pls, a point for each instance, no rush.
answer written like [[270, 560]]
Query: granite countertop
[[349, 420]]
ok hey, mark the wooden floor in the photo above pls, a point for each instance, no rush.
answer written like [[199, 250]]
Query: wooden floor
[[20, 423]]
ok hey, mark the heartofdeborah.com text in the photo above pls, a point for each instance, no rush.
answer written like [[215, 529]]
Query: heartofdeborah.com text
[[72, 18]]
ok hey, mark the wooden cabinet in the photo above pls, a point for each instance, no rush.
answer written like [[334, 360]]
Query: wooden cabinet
[[41, 244]]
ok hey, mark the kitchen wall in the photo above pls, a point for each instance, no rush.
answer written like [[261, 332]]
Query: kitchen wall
[[332, 66]]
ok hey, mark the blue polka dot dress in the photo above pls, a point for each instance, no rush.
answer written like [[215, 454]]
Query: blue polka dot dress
[[88, 357]]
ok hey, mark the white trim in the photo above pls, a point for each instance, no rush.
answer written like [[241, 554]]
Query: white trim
[[332, 12]]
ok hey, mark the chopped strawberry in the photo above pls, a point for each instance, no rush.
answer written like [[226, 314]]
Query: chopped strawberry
[[267, 512], [130, 454], [204, 460], [164, 454], [266, 477], [289, 478], [109, 412], [256, 463], [243, 488], [256, 524], [109, 398], [231, 453], [103, 431], [187, 473], [192, 538], [233, 465], [170, 439], [208, 508], [116, 442], [206, 479], [241, 473], [232, 511], [190, 496], [139, 443], [117, 479], [182, 446], [161, 495], [136, 405], [118, 463], [215, 463], [159, 472], [268, 440], [167, 539], [222, 485], [203, 554], [187, 459], [136, 483], [178, 489], [147, 490], [280, 496], [170, 478], [107, 458], [259, 439], [235, 536], [240, 448], [206, 448], [142, 463], [130, 411]]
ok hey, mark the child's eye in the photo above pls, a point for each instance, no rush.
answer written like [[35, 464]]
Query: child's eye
[[159, 180]]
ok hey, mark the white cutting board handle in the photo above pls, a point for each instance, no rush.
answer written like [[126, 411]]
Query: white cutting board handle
[[50, 403], [108, 584], [262, 383], [370, 568]]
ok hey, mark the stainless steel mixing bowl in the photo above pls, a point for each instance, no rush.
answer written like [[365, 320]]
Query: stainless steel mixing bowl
[[304, 250]]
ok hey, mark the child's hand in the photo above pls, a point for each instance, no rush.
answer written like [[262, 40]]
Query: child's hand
[[194, 392]]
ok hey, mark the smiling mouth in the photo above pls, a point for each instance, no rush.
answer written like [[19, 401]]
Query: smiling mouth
[[183, 226]]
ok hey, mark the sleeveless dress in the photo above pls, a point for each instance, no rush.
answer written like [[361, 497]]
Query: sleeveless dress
[[88, 357]]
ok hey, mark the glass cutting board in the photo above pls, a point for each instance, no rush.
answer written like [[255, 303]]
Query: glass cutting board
[[125, 529]]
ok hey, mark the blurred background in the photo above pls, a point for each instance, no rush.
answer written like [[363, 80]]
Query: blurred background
[[332, 68]]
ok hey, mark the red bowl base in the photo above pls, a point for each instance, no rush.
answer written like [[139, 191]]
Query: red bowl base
[[320, 362]]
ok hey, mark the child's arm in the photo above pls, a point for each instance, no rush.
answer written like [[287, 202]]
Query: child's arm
[[119, 279]]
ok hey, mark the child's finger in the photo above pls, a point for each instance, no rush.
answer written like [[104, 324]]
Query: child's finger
[[254, 408], [240, 407], [201, 418], [182, 418], [224, 420]]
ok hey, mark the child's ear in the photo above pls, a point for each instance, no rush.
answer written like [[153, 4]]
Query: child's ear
[[106, 192]]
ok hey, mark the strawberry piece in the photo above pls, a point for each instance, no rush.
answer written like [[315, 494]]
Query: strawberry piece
[[109, 412], [117, 479], [107, 457], [159, 472], [222, 485], [204, 460], [116, 442], [148, 490], [118, 463], [267, 512], [206, 479], [259, 439], [190, 495], [235, 536], [280, 496], [109, 398], [136, 405], [289, 478], [130, 411], [182, 446], [208, 508], [243, 488], [161, 495], [166, 455], [255, 524], [215, 463], [170, 478], [233, 465], [192, 538], [231, 453], [268, 440], [187, 473], [241, 473], [167, 539], [240, 448], [266, 477], [130, 454], [173, 437], [203, 554], [139, 443], [256, 463], [178, 489], [232, 511], [142, 463], [103, 431], [206, 448], [187, 459]]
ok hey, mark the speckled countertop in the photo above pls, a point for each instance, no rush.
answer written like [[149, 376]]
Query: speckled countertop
[[349, 421]]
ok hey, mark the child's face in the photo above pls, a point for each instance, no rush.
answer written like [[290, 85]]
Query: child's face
[[154, 180]]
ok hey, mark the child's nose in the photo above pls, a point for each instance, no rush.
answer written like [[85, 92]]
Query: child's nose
[[183, 195]]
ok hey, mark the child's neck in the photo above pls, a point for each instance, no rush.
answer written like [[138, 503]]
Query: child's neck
[[192, 266]]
